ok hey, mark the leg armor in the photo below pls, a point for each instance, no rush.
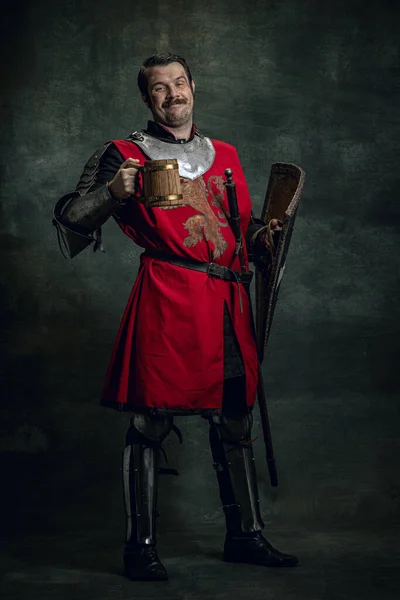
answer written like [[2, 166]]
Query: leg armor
[[140, 465], [232, 453], [234, 463]]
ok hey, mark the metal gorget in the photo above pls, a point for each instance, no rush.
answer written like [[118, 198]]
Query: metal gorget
[[194, 157]]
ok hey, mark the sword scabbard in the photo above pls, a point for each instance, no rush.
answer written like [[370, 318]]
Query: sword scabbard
[[235, 226]]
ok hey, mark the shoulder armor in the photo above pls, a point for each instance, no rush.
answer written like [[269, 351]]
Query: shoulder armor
[[136, 136], [90, 170]]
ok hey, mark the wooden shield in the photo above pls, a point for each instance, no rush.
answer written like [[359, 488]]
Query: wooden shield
[[281, 201]]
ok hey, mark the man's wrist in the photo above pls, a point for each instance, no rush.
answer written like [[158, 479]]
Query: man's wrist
[[114, 198]]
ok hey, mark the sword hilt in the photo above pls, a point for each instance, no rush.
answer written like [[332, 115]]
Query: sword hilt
[[228, 175], [234, 218], [232, 199]]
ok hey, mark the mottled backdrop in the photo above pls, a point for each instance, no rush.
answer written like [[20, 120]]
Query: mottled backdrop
[[304, 81]]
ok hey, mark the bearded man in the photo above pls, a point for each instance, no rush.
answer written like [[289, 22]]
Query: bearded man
[[186, 343]]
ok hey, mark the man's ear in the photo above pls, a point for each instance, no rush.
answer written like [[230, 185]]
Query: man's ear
[[193, 86], [146, 101]]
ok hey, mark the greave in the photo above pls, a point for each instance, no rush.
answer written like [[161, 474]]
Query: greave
[[140, 476], [140, 490], [233, 458]]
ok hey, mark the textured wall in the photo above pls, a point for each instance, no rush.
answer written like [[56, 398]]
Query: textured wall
[[303, 81]]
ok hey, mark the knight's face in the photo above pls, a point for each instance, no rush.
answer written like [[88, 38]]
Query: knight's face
[[171, 96]]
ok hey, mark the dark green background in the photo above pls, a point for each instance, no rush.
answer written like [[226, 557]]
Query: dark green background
[[299, 81]]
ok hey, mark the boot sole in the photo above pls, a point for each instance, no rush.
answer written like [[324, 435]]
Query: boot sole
[[260, 563], [145, 577]]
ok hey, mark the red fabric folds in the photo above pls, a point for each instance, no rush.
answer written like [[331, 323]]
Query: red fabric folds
[[169, 349]]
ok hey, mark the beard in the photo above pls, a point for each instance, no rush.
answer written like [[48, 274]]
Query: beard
[[176, 118]]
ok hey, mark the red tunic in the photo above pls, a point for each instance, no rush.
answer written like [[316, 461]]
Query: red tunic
[[169, 349]]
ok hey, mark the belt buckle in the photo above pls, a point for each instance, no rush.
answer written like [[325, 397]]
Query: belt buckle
[[215, 270]]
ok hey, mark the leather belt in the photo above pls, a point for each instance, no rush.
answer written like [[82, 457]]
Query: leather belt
[[211, 269]]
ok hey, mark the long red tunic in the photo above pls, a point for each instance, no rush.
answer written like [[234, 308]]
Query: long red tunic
[[169, 349]]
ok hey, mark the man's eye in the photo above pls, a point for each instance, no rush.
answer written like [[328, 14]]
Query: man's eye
[[159, 89]]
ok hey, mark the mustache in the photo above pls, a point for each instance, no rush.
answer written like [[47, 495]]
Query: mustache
[[173, 102]]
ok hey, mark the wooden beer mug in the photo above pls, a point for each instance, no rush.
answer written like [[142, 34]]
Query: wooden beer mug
[[161, 183]]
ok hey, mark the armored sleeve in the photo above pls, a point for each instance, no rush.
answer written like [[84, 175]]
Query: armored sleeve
[[79, 215], [255, 239], [259, 251]]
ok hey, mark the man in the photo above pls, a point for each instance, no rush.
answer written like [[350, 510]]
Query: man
[[186, 342]]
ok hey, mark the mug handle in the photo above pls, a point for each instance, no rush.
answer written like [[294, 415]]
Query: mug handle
[[140, 199]]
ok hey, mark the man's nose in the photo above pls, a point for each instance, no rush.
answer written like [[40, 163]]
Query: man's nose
[[173, 92]]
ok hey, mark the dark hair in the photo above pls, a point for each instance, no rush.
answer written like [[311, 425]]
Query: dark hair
[[160, 60]]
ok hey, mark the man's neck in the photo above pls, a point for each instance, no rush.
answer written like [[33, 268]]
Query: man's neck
[[180, 133]]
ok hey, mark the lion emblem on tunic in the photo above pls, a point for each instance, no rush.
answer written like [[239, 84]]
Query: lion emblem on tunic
[[206, 225]]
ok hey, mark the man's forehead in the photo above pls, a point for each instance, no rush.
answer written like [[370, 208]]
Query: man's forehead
[[165, 73]]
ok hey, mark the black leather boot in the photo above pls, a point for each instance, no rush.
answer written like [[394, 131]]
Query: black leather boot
[[234, 464], [141, 563], [256, 550], [140, 477]]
